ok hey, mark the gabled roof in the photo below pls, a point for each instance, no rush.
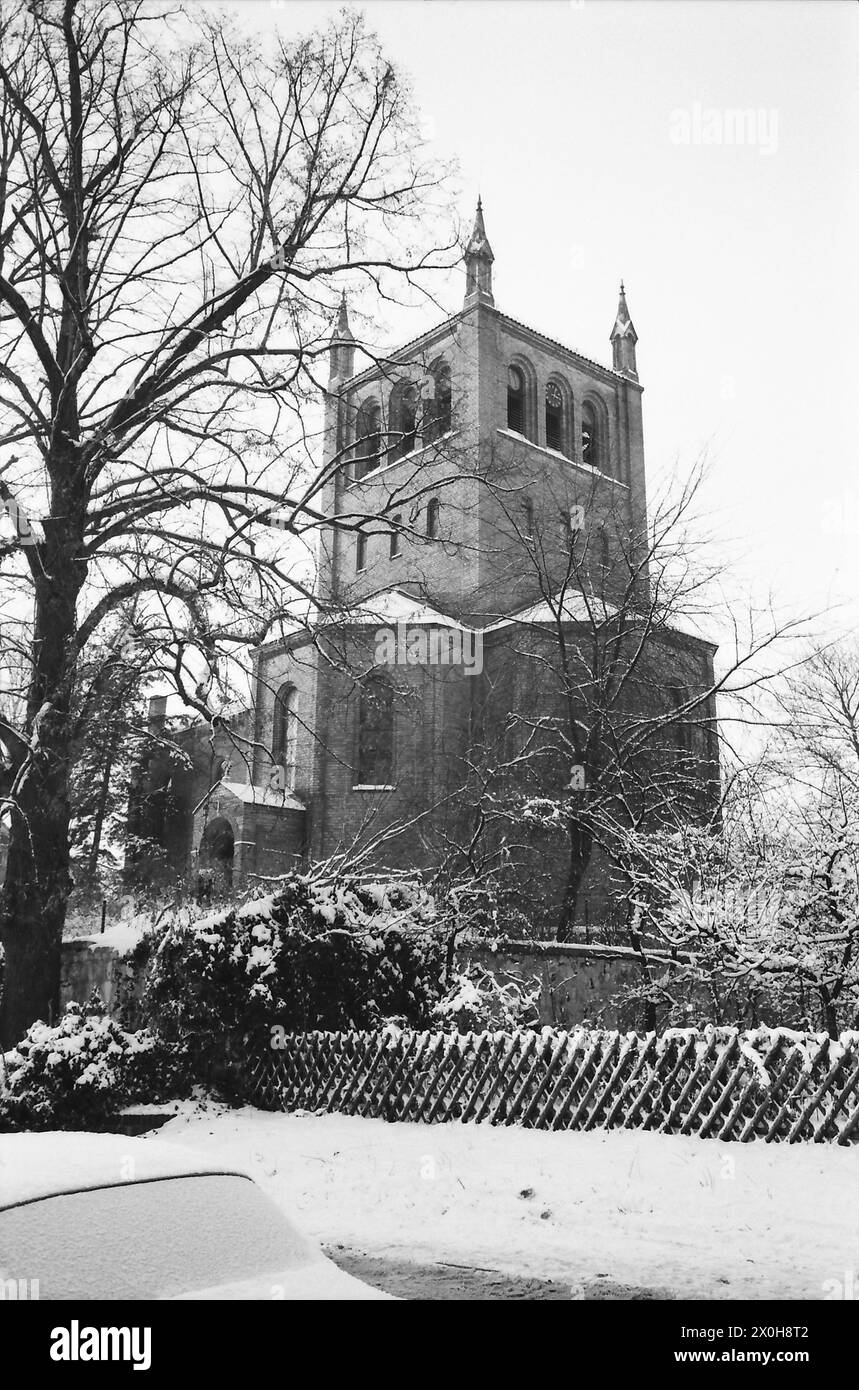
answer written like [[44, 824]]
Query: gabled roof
[[251, 795], [577, 609], [393, 606], [371, 372]]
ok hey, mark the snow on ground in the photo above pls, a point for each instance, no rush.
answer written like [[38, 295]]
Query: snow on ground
[[696, 1217]]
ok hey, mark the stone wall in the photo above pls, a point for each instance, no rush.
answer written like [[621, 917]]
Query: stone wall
[[87, 966], [579, 983]]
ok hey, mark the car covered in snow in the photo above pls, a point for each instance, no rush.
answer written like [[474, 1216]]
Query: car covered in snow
[[101, 1216]]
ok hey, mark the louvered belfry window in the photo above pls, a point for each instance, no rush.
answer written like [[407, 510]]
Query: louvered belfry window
[[515, 400], [590, 437], [441, 413], [403, 415], [554, 417], [368, 439]]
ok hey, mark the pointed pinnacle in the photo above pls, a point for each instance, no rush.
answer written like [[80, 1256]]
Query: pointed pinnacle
[[478, 244], [343, 330]]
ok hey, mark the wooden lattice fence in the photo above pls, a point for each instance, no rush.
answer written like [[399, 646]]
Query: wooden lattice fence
[[770, 1084]]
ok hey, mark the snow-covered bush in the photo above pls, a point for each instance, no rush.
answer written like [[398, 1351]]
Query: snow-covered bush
[[477, 999], [312, 956], [83, 1070]]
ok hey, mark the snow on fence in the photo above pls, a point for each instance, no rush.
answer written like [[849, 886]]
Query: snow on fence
[[771, 1084]]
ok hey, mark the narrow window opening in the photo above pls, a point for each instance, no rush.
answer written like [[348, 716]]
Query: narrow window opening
[[285, 734], [403, 416], [681, 730], [590, 438], [368, 444], [554, 417], [375, 753], [441, 415], [516, 400]]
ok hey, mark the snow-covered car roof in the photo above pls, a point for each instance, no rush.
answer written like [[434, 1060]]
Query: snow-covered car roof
[[34, 1166], [160, 1238]]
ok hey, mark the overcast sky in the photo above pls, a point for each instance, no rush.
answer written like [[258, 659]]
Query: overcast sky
[[592, 129]]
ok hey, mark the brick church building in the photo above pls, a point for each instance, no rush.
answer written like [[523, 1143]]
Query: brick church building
[[488, 562]]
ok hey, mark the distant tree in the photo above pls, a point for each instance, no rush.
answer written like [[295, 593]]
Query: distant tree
[[768, 903]]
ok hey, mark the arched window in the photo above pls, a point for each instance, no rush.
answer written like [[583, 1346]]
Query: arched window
[[441, 411], [592, 444], [527, 518], [368, 438], [284, 744], [403, 419], [374, 762], [554, 417], [516, 400], [396, 523], [433, 510], [216, 855], [360, 552]]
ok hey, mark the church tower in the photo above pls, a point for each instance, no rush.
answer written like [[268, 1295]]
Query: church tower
[[478, 437]]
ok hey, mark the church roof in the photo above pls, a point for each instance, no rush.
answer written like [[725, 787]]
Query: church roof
[[576, 609], [393, 606], [579, 609], [371, 372], [247, 793]]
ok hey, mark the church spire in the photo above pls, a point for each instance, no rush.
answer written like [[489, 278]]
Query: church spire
[[623, 339], [478, 264], [342, 345]]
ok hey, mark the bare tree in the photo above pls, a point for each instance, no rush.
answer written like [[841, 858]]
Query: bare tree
[[766, 911], [600, 710], [179, 206]]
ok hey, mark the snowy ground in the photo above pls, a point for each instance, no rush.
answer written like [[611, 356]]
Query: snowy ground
[[694, 1218]]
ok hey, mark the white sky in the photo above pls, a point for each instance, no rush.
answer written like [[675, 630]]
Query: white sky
[[739, 263]]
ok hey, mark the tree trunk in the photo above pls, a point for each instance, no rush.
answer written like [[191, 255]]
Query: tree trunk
[[579, 857], [35, 892], [32, 974]]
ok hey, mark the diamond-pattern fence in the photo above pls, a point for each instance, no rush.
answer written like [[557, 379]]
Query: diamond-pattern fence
[[771, 1084]]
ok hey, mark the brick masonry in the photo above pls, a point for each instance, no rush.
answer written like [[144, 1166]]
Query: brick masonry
[[478, 570]]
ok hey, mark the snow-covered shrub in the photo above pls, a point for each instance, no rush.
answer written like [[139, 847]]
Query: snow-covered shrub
[[312, 956], [477, 999], [83, 1070]]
